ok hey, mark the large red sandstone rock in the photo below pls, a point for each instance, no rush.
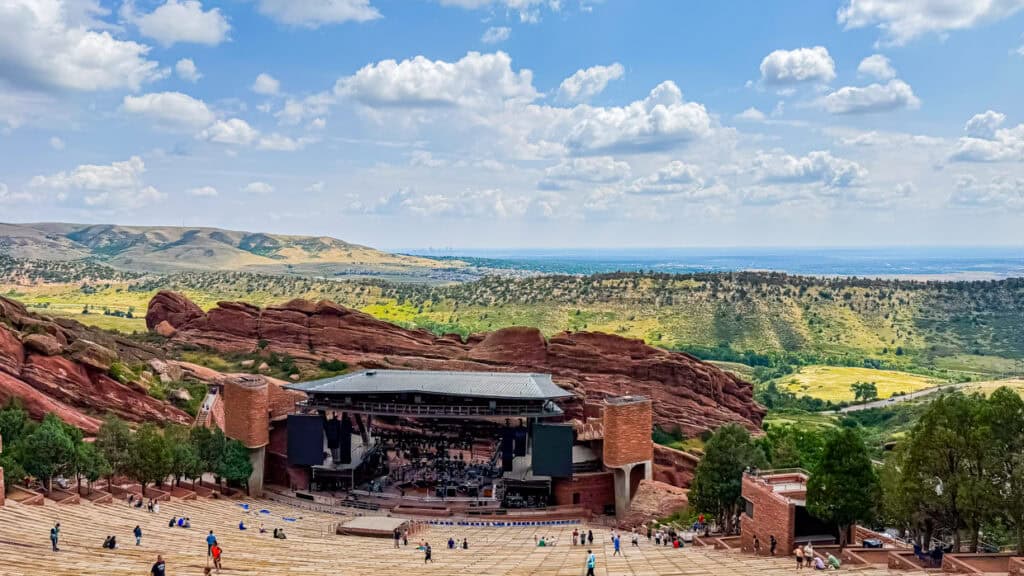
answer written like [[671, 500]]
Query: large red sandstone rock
[[673, 466], [688, 394], [75, 387], [172, 307], [653, 500], [12, 354]]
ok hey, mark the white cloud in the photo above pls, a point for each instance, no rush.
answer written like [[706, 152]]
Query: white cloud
[[591, 170], [316, 187], [987, 141], [9, 197], [676, 179], [476, 80], [117, 185], [171, 109], [528, 10], [203, 191], [876, 66], [783, 67], [316, 13], [585, 84], [496, 35], [47, 44], [282, 143], [999, 193], [488, 203], [984, 125], [659, 121], [893, 95], [186, 70], [56, 143], [258, 187], [180, 21], [817, 167], [751, 115], [903, 20], [312, 107], [232, 131], [266, 84]]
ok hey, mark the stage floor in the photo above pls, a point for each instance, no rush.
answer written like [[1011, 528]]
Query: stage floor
[[381, 526]]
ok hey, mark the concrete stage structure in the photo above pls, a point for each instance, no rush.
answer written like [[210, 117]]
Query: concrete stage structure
[[483, 428], [375, 526]]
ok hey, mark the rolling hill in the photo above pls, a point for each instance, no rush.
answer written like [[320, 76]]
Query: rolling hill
[[173, 249]]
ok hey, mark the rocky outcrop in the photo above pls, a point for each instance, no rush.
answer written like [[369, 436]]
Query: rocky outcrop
[[173, 307], [61, 367], [673, 466], [653, 500], [688, 394]]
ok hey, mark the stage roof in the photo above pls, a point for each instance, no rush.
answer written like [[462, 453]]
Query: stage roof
[[503, 385]]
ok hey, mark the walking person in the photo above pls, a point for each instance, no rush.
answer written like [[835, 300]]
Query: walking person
[[398, 538], [215, 551], [427, 553], [772, 543], [590, 537], [617, 544], [757, 546], [55, 537], [591, 562], [138, 535], [210, 541], [799, 553]]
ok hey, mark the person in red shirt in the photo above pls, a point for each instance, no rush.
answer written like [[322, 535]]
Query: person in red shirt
[[215, 551]]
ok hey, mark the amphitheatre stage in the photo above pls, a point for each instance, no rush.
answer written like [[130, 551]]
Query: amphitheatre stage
[[373, 526]]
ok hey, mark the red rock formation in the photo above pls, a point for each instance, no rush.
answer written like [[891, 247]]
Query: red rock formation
[[653, 500], [688, 394], [673, 466], [74, 386]]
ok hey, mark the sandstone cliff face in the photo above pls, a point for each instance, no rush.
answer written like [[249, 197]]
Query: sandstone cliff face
[[61, 367], [687, 393]]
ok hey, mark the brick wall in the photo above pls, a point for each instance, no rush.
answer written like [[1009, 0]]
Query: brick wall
[[246, 416], [627, 431], [596, 490], [773, 515]]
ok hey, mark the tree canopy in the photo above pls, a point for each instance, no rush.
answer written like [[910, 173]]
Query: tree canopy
[[843, 487], [718, 479]]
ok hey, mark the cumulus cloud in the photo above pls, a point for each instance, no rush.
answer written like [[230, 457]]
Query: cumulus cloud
[[661, 120], [231, 131], [904, 20], [316, 13], [282, 143], [751, 115], [487, 203], [999, 193], [893, 95], [676, 179], [476, 80], [258, 187], [876, 66], [817, 167], [496, 35], [8, 196], [266, 84], [47, 45], [591, 170], [117, 185], [170, 109], [187, 71], [988, 141], [180, 21], [203, 191], [528, 10], [585, 84], [312, 107], [786, 67]]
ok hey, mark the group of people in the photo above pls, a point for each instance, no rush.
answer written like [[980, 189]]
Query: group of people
[[136, 502], [183, 522], [581, 538], [805, 556], [452, 544], [772, 545]]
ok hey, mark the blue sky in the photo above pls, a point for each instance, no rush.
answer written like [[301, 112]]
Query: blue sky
[[521, 123]]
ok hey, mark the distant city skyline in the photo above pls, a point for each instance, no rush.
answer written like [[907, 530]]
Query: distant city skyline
[[486, 124]]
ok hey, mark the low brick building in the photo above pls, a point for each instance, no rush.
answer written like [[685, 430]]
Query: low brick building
[[774, 504]]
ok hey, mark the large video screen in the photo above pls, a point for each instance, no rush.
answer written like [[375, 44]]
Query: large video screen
[[305, 440], [552, 450]]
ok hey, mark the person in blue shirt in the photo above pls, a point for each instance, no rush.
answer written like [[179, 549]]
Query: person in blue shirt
[[210, 541], [138, 535], [241, 525], [618, 545], [591, 562]]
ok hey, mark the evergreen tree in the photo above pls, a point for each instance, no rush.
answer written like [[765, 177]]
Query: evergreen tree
[[48, 450], [114, 441], [151, 458], [843, 488], [718, 479], [235, 466]]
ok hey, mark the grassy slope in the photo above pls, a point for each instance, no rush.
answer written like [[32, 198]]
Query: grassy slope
[[833, 382]]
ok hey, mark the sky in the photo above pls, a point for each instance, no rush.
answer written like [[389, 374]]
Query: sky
[[521, 123]]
